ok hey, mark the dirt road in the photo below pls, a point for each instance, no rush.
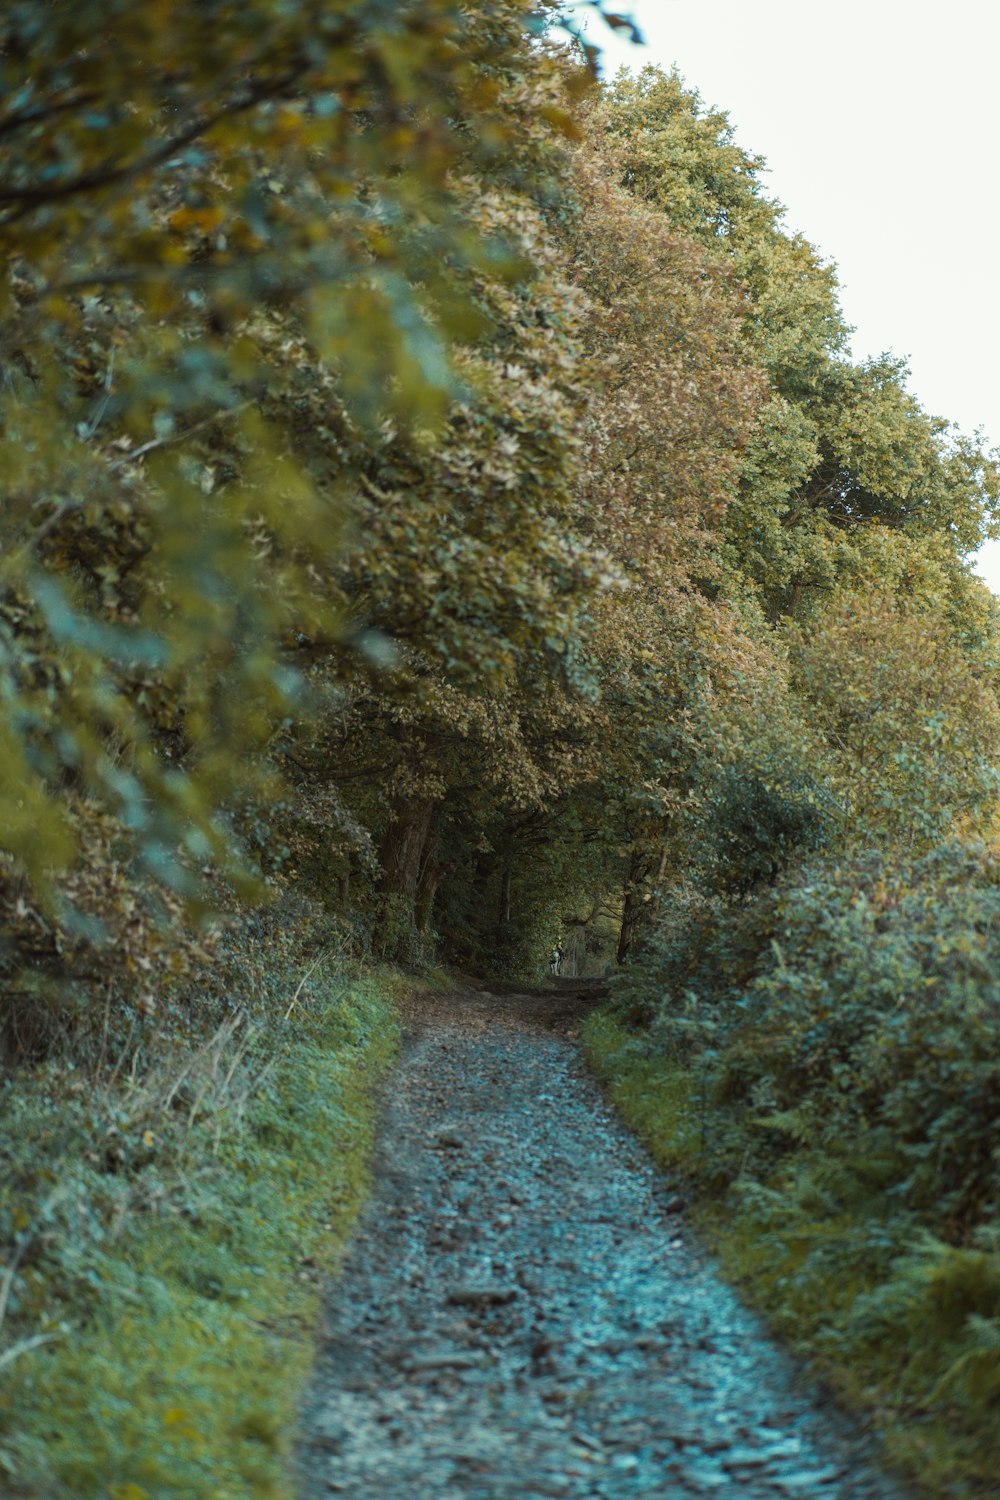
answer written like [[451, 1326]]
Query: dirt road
[[524, 1314]]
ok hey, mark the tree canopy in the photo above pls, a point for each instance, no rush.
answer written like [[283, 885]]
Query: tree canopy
[[442, 515], [442, 480]]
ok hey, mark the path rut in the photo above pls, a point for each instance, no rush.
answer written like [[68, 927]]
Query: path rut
[[523, 1312]]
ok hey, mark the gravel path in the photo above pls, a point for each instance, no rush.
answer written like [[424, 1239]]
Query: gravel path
[[523, 1312]]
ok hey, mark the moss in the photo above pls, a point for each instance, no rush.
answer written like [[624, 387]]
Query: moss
[[183, 1352]]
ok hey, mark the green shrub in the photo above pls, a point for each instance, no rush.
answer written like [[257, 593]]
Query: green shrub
[[823, 1064]]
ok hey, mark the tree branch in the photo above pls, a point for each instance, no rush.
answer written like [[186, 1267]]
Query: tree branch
[[44, 112], [67, 507], [28, 198]]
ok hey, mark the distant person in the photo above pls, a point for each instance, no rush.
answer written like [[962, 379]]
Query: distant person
[[556, 960]]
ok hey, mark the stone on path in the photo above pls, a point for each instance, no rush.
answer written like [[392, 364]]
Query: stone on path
[[523, 1314]]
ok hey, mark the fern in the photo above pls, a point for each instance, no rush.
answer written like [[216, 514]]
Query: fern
[[975, 1374], [798, 1125], [932, 1293]]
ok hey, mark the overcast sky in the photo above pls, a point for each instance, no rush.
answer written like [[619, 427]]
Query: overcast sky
[[879, 122]]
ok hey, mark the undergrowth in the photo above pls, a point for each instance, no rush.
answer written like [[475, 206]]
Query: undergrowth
[[821, 1065], [169, 1220]]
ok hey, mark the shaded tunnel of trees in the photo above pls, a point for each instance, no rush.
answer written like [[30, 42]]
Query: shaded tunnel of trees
[[438, 496]]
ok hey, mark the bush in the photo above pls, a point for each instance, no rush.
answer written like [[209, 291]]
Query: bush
[[756, 823], [823, 1064], [861, 996]]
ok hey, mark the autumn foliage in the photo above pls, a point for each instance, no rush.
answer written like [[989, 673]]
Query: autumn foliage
[[437, 488]]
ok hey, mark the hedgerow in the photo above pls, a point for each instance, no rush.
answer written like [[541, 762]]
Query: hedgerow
[[170, 1228], [822, 1063]]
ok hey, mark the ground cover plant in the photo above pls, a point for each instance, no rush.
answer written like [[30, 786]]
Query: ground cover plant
[[172, 1227], [822, 1065]]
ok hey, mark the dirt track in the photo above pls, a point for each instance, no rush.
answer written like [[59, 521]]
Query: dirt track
[[523, 1312]]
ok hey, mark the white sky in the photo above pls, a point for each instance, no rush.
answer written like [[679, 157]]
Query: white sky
[[880, 123]]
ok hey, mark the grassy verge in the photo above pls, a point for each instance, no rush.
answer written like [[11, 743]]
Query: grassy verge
[[171, 1232], [900, 1324]]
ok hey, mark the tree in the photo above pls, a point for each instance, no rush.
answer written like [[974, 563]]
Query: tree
[[908, 720], [242, 244], [838, 447]]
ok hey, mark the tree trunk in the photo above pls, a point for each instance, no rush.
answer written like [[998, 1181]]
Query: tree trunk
[[403, 851], [426, 892], [657, 900], [480, 905], [632, 904], [503, 916], [431, 875]]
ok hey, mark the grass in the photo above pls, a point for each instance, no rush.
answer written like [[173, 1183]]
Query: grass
[[901, 1325], [654, 1101], [174, 1241]]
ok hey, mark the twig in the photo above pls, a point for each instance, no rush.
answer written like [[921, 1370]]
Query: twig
[[121, 1056], [177, 437], [39, 112], [6, 1283], [247, 1038], [16, 1350], [218, 1039], [109, 172], [8, 1276], [314, 965], [67, 507], [95, 421]]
